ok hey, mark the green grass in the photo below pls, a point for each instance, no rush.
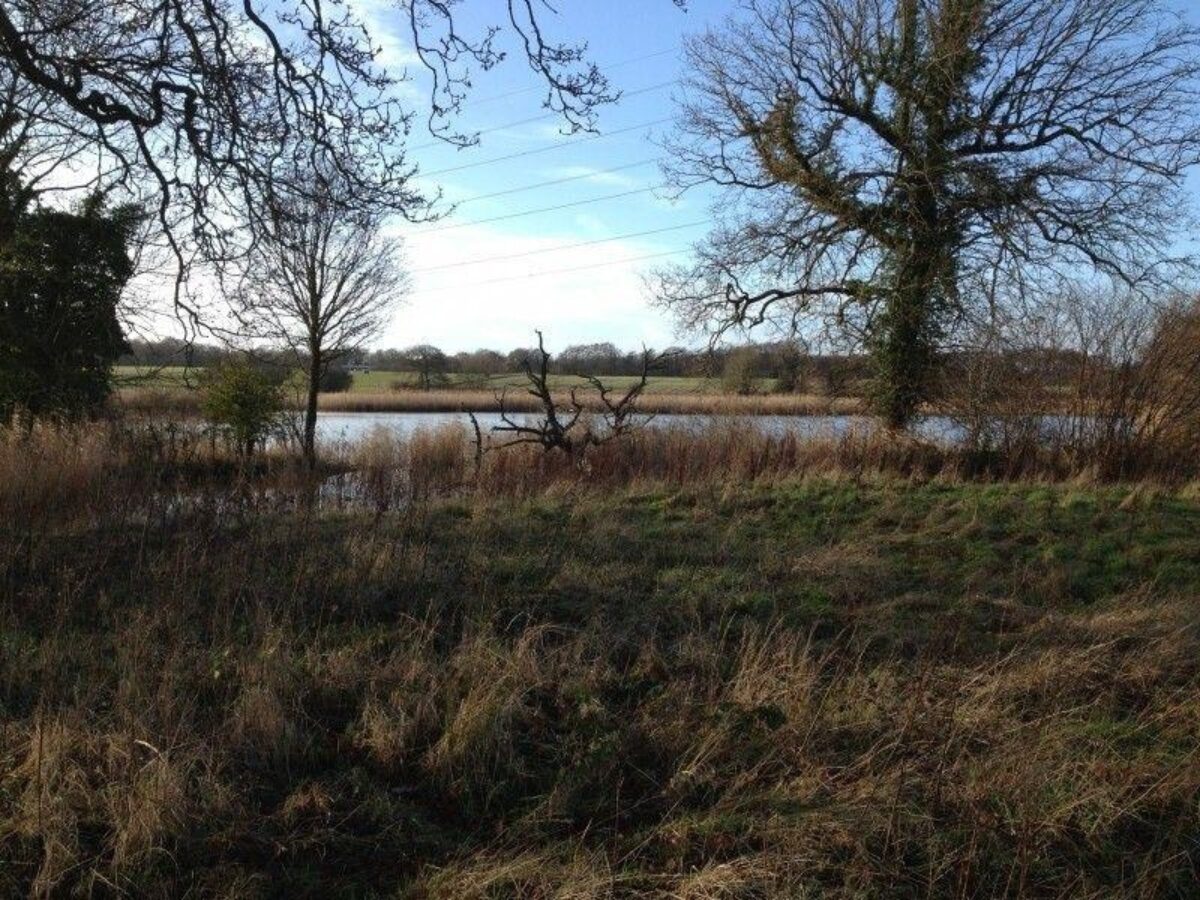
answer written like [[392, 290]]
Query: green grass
[[377, 381], [821, 688], [156, 377], [382, 381]]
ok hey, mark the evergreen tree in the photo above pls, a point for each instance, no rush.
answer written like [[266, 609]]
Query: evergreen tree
[[61, 277]]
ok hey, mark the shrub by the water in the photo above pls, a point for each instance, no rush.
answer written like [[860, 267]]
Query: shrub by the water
[[243, 400], [336, 380]]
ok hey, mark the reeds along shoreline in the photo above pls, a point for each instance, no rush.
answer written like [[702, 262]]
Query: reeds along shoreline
[[92, 470], [394, 470], [186, 403]]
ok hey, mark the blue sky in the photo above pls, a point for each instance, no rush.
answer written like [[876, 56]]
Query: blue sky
[[491, 284], [498, 303]]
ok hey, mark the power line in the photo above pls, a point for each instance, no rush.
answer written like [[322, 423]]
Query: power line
[[542, 117], [537, 150], [565, 180], [549, 272], [592, 243], [544, 209], [529, 90]]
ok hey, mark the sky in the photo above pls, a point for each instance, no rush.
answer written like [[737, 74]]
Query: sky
[[575, 273], [553, 232]]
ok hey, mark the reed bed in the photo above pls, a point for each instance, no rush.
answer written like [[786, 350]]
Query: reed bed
[[77, 469], [185, 403], [519, 401], [388, 470]]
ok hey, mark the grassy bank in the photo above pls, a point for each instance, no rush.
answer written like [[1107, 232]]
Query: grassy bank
[[817, 681], [382, 382]]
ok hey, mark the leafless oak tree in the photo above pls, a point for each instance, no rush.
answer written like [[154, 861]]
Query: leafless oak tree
[[320, 281], [893, 166]]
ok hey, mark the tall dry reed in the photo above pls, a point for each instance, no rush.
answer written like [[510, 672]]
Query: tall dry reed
[[185, 403]]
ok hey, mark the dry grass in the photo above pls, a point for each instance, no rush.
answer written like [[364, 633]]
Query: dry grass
[[518, 401], [391, 471], [733, 667], [185, 403]]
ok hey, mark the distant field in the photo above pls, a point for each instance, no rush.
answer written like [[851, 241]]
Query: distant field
[[169, 390], [154, 376], [381, 381]]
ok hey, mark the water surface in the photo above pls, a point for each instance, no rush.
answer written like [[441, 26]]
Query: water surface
[[353, 427]]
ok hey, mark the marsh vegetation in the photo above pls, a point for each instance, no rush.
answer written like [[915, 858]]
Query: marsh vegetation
[[727, 666], [559, 654]]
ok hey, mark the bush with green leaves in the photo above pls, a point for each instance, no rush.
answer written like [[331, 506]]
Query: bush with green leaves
[[244, 401], [740, 374]]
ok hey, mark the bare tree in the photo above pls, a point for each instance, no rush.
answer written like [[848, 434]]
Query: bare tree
[[895, 166], [34, 152], [566, 429], [321, 282], [211, 108], [429, 363]]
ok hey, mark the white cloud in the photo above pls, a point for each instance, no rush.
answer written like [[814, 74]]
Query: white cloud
[[500, 303], [388, 33], [593, 175]]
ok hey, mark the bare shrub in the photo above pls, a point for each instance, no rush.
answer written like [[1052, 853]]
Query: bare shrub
[[740, 372], [999, 388], [1105, 378], [1130, 393], [1170, 370]]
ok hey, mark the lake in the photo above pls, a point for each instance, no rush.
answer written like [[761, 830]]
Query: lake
[[353, 427]]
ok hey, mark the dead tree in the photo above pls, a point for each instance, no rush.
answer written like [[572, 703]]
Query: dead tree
[[567, 429]]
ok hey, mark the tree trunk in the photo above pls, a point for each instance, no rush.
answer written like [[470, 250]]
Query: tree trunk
[[310, 409], [905, 338]]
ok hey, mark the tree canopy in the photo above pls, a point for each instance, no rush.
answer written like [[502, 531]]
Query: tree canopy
[[894, 167]]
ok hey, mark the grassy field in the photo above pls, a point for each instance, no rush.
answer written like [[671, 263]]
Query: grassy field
[[376, 382], [181, 402], [731, 685]]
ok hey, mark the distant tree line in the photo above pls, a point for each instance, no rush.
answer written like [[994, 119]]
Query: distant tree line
[[433, 366], [782, 366]]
